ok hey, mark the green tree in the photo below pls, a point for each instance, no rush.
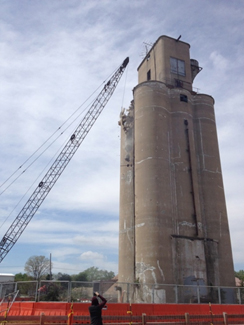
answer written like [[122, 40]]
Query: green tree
[[37, 266], [53, 292], [82, 276], [93, 273], [240, 275], [22, 277], [63, 277], [25, 286]]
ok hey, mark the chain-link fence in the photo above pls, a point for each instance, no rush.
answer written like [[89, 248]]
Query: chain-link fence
[[81, 291], [27, 290]]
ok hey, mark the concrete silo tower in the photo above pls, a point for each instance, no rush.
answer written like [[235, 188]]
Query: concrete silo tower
[[173, 219]]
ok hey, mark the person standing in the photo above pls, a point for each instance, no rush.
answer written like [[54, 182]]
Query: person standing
[[96, 309]]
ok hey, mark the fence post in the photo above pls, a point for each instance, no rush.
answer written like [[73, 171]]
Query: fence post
[[219, 294], [176, 294], [69, 291], [128, 293], [42, 319], [153, 293], [198, 295], [239, 295], [187, 318], [143, 318], [36, 291], [225, 315]]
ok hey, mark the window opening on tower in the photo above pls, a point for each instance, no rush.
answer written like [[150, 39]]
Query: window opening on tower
[[177, 66], [183, 98], [148, 75]]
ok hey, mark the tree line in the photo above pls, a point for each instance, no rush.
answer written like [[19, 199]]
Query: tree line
[[39, 268]]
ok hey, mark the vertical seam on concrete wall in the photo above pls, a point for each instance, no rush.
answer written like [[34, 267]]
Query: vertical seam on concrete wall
[[134, 221]]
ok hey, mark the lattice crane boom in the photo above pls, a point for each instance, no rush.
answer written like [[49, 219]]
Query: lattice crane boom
[[48, 181]]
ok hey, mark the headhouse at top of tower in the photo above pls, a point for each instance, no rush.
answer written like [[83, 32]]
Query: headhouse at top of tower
[[169, 61]]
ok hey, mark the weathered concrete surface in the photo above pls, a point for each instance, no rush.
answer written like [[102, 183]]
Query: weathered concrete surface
[[173, 219]]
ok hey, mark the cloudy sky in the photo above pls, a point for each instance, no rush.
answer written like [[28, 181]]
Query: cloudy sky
[[53, 56]]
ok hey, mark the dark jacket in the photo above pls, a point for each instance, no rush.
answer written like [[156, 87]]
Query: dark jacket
[[96, 311]]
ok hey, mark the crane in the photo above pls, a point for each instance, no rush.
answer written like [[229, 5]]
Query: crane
[[46, 184]]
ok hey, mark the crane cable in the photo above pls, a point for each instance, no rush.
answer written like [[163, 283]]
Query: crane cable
[[48, 139], [32, 162], [123, 96], [42, 172], [45, 168]]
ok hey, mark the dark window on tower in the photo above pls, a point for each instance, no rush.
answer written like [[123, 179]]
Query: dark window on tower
[[177, 66], [149, 75], [183, 98], [178, 83]]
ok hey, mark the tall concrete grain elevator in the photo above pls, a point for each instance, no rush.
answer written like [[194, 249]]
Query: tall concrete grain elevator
[[173, 221]]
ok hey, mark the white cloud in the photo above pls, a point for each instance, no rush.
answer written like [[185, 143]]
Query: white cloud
[[91, 256], [60, 254], [220, 63], [53, 55], [97, 241]]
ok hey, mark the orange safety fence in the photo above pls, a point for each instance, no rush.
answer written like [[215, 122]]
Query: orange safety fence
[[123, 320], [120, 309]]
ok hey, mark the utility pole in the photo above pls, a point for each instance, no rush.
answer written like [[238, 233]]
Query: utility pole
[[50, 266]]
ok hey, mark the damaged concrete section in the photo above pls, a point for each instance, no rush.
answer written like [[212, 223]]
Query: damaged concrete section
[[127, 204]]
